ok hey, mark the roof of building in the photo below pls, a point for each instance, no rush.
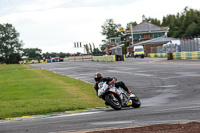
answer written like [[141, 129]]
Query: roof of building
[[154, 41], [147, 27], [121, 45]]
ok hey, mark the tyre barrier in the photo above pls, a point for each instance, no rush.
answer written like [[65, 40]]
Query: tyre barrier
[[66, 59], [78, 58], [109, 58], [104, 58], [157, 55], [178, 55], [184, 56]]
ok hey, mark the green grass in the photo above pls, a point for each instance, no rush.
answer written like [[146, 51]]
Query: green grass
[[15, 67], [25, 91]]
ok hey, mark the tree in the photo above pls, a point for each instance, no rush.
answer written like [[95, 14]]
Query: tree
[[32, 52], [103, 47], [110, 29], [185, 24], [125, 46], [62, 55], [90, 48], [46, 55], [54, 54], [93, 47], [154, 21], [86, 48], [10, 45], [128, 25]]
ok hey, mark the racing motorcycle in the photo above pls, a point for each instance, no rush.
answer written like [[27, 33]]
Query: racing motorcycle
[[117, 97]]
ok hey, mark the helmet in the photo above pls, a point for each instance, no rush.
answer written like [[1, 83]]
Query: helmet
[[98, 77]]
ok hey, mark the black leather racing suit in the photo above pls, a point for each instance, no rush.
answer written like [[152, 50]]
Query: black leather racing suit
[[117, 84]]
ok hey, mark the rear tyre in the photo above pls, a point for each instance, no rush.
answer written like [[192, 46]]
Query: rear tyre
[[136, 102], [113, 102]]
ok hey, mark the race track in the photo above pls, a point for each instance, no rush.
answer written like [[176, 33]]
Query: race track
[[169, 92]]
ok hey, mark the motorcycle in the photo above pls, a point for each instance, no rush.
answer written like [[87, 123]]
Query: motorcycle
[[117, 97]]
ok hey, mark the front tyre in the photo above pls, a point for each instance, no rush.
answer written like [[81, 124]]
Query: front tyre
[[113, 102], [136, 102]]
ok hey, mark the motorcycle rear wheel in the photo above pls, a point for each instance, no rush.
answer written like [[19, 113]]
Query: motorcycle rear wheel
[[113, 102], [136, 102]]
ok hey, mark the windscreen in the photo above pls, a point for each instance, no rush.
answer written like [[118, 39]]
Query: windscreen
[[140, 49]]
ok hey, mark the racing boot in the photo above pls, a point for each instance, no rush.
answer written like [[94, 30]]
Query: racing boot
[[131, 94]]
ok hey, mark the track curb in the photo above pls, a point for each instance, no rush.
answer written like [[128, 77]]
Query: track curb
[[48, 115]]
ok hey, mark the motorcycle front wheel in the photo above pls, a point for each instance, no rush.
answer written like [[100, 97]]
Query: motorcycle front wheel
[[136, 102], [113, 102]]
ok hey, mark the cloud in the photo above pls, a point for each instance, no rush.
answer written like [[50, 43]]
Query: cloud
[[42, 5], [57, 28], [54, 25], [92, 1]]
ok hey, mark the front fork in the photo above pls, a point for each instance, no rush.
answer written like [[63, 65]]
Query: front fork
[[114, 98]]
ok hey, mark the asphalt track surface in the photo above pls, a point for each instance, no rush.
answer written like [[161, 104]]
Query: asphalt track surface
[[169, 92]]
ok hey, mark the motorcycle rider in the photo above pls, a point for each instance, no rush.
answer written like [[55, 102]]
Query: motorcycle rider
[[99, 78]]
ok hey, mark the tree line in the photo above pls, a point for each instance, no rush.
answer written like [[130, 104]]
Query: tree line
[[11, 50], [182, 25]]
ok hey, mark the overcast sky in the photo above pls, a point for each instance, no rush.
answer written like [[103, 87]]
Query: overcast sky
[[54, 25]]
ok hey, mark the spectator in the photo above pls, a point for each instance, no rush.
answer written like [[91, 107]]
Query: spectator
[[127, 54]]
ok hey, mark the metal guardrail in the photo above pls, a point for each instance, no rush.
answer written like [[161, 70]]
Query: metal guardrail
[[186, 45]]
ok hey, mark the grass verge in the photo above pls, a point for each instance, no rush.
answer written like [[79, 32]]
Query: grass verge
[[25, 91]]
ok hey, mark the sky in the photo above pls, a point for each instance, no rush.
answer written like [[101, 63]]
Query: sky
[[55, 25]]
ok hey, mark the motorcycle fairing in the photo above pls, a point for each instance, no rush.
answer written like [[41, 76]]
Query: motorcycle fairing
[[129, 103], [113, 89]]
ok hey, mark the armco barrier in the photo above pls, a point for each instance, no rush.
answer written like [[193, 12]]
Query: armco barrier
[[104, 58], [185, 55]]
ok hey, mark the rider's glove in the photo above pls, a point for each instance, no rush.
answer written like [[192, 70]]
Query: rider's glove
[[113, 81]]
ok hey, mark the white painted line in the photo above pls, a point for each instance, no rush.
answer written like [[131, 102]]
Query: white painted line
[[180, 108], [75, 114], [115, 71], [166, 86], [3, 122], [112, 122], [141, 74], [174, 77], [82, 74], [149, 71], [61, 68]]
